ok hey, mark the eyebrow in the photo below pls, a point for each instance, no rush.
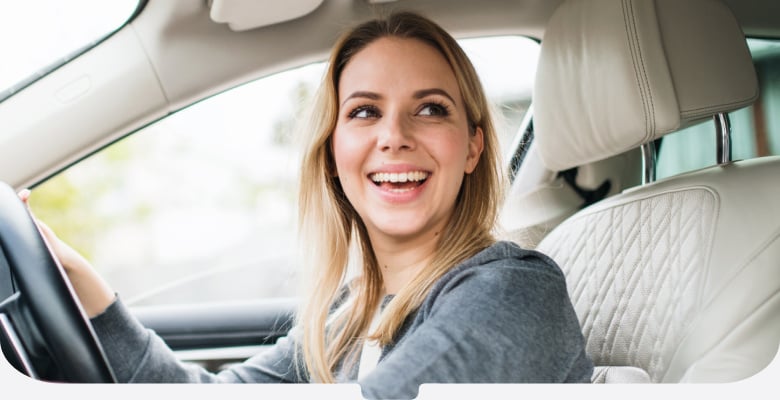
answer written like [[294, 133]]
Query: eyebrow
[[417, 95], [363, 94], [427, 92]]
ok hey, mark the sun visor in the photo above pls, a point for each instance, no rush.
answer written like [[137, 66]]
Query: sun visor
[[241, 15]]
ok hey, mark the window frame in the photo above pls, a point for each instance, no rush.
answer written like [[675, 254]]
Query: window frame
[[62, 61]]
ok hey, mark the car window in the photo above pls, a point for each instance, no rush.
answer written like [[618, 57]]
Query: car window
[[200, 206], [755, 130], [54, 32]]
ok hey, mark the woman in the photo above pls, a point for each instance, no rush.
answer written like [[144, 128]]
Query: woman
[[400, 178]]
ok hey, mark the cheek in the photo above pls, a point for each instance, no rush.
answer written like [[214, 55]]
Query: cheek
[[450, 149], [347, 152]]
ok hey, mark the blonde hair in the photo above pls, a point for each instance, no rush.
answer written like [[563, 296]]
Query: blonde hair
[[329, 225]]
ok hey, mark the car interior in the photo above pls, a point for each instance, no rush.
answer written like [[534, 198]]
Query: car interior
[[669, 277], [673, 273]]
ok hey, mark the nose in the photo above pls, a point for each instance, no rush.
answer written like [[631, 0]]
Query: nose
[[395, 134]]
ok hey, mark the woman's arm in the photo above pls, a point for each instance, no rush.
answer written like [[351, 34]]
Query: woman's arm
[[138, 355], [93, 292]]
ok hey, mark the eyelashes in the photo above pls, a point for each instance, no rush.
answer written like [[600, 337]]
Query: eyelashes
[[365, 111], [428, 109], [434, 109]]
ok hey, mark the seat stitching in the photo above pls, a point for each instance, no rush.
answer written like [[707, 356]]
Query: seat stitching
[[591, 267], [612, 326], [640, 327], [634, 233], [686, 229], [639, 68], [662, 279]]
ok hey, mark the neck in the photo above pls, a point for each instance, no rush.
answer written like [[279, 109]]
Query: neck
[[401, 261]]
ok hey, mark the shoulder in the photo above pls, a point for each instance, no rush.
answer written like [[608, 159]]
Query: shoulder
[[504, 266], [509, 305], [501, 291], [511, 255]]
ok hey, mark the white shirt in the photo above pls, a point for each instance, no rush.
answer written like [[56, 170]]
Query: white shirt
[[369, 357]]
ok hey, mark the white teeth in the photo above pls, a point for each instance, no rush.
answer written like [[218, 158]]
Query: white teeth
[[402, 177]]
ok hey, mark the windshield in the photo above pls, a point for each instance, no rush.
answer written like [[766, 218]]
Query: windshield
[[38, 36]]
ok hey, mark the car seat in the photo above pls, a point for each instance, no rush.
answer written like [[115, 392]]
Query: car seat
[[674, 280]]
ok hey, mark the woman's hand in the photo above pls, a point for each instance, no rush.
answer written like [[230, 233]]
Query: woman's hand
[[93, 292], [69, 258]]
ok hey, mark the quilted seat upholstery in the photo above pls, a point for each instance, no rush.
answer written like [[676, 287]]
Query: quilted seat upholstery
[[670, 280], [676, 280], [630, 267]]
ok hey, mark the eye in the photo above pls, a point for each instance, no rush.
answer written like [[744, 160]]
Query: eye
[[434, 110], [364, 112]]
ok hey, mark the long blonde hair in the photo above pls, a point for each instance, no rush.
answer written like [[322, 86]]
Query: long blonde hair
[[330, 226]]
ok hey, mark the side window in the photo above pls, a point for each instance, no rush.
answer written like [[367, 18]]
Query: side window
[[186, 209], [506, 66], [755, 129], [201, 206]]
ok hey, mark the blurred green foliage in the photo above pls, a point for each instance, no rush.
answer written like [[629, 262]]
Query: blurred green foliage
[[70, 208], [63, 207]]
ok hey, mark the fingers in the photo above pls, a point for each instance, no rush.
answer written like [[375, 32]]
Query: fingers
[[24, 195]]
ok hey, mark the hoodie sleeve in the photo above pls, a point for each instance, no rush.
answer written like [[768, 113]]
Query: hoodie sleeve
[[137, 354]]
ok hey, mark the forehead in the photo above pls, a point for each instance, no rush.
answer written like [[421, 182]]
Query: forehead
[[391, 64]]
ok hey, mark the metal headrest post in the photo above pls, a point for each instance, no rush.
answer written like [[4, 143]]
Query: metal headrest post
[[648, 162], [723, 136]]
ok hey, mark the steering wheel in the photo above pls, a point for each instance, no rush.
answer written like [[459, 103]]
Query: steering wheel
[[44, 329]]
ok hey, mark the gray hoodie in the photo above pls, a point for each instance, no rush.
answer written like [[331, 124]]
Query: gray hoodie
[[502, 316]]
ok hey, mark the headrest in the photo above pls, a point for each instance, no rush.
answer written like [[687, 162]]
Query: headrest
[[615, 74]]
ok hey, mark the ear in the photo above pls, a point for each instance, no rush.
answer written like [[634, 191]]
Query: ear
[[476, 145]]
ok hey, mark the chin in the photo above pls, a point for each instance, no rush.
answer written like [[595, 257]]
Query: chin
[[402, 228]]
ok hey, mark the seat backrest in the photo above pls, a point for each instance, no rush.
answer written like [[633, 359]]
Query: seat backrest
[[676, 280]]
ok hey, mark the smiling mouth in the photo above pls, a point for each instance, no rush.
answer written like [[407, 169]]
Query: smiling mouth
[[399, 182]]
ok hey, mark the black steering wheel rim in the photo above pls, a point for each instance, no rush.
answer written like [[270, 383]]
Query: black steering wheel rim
[[45, 290]]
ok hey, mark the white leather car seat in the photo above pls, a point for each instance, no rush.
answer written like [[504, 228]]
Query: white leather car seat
[[676, 280], [553, 198]]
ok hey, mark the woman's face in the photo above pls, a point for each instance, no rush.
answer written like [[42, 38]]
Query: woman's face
[[402, 142]]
